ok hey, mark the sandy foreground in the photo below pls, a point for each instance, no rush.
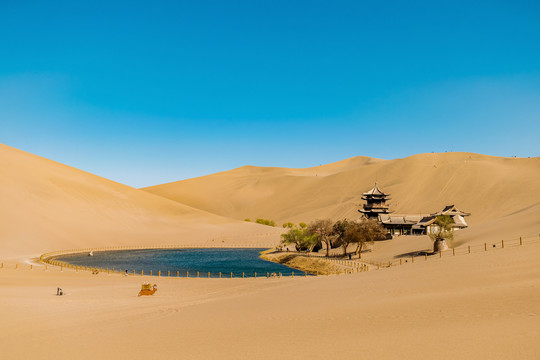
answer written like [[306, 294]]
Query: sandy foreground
[[483, 305]]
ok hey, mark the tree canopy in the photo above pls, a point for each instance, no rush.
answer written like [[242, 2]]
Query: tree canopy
[[443, 229], [301, 237]]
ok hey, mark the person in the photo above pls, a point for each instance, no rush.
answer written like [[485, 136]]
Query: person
[[126, 273]]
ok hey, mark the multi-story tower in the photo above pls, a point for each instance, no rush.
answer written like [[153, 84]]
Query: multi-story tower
[[375, 203]]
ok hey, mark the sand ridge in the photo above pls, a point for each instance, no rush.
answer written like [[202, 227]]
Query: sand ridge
[[488, 187]]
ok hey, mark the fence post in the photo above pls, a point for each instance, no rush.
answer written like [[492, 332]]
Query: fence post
[[469, 249], [150, 272], [242, 275], [142, 272], [426, 255], [412, 258], [231, 275], [292, 274], [485, 246], [209, 274], [159, 273], [520, 241], [454, 251], [400, 261], [255, 275], [220, 274], [169, 273], [187, 274], [178, 274], [502, 244], [197, 274]]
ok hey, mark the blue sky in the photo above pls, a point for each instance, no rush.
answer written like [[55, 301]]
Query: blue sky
[[149, 92]]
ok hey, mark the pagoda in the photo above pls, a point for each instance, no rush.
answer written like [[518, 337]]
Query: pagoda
[[375, 203]]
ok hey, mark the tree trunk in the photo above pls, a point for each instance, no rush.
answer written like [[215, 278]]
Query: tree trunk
[[327, 242], [359, 248]]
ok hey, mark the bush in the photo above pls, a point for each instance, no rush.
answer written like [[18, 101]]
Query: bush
[[265, 222]]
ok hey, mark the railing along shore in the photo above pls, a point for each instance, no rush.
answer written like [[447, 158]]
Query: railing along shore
[[359, 264], [349, 266]]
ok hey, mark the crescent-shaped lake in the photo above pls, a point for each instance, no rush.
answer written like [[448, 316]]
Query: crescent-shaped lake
[[182, 262]]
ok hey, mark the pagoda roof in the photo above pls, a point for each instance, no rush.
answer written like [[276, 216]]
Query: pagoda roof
[[375, 191]]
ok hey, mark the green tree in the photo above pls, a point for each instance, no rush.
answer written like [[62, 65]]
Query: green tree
[[300, 237], [441, 231], [323, 228]]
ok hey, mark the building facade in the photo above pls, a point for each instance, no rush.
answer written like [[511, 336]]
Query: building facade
[[406, 224]]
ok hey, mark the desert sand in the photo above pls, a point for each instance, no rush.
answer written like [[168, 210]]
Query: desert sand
[[49, 206], [488, 187], [483, 305]]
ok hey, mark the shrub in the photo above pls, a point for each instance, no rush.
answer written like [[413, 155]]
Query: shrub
[[265, 222]]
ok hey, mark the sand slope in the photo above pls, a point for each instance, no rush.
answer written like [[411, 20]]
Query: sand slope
[[485, 305], [46, 206], [488, 187]]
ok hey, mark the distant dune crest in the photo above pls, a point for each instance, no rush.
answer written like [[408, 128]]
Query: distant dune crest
[[48, 206], [489, 187]]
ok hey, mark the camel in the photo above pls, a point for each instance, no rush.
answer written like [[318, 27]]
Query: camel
[[146, 289]]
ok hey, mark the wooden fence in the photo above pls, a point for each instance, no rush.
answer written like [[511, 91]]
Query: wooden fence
[[349, 266]]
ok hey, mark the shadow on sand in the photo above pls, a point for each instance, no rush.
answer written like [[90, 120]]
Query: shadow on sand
[[415, 253]]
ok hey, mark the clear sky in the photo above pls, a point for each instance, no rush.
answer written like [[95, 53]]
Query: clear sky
[[146, 92]]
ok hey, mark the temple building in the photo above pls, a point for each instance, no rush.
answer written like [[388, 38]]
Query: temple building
[[375, 203], [406, 224]]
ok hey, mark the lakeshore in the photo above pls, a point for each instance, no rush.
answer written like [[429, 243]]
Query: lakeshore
[[315, 265], [196, 262]]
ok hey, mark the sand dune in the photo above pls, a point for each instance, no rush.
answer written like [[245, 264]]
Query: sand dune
[[488, 187], [471, 306], [48, 206]]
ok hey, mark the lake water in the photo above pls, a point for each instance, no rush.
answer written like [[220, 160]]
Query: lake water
[[184, 261]]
